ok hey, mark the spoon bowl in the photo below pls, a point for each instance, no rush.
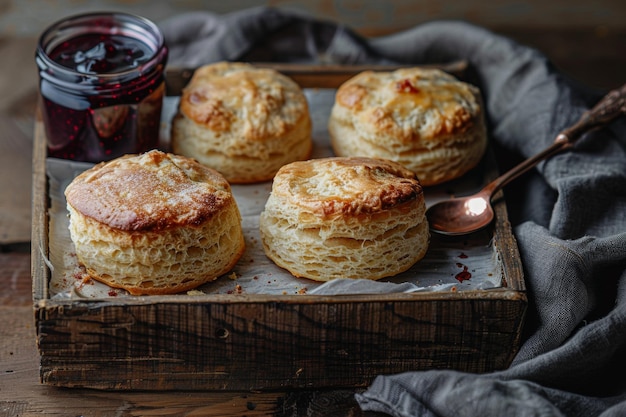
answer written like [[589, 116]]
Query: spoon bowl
[[464, 215], [460, 216]]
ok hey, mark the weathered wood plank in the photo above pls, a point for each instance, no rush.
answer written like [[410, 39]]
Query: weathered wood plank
[[15, 168], [21, 393], [15, 281], [250, 345]]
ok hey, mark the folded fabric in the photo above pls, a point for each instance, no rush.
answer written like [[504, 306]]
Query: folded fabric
[[569, 214]]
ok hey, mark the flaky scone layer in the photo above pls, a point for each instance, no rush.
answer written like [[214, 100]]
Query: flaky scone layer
[[424, 119], [244, 121], [154, 223], [345, 218]]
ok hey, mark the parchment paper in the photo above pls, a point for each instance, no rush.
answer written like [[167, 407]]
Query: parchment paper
[[446, 261]]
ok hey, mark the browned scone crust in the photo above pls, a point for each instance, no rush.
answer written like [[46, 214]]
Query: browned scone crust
[[424, 119], [154, 223], [244, 121], [345, 218]]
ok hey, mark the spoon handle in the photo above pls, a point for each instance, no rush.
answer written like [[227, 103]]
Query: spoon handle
[[608, 108]]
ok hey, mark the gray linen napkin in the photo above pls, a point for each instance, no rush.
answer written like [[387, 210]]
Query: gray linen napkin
[[569, 214]]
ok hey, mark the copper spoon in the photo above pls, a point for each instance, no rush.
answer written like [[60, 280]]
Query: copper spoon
[[464, 215]]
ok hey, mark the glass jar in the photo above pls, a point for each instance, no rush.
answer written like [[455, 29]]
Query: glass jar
[[101, 85]]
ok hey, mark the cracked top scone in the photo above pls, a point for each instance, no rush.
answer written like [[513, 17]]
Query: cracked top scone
[[244, 121], [154, 223], [345, 218], [425, 119]]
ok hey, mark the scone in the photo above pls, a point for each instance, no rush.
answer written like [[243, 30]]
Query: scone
[[345, 218], [154, 223], [244, 121], [424, 119]]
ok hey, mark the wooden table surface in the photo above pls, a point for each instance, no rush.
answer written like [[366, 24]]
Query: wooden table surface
[[597, 61]]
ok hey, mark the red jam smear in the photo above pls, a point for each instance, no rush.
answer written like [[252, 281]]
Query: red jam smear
[[405, 86], [464, 275], [97, 125]]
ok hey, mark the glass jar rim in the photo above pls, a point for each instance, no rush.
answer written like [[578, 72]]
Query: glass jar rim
[[120, 23]]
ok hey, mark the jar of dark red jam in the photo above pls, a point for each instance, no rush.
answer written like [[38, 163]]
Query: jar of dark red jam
[[101, 85]]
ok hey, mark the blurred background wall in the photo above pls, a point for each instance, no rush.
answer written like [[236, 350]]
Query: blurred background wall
[[575, 34], [28, 17]]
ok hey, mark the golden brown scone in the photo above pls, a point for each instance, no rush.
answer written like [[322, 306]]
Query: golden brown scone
[[424, 119], [154, 223], [345, 218], [244, 121]]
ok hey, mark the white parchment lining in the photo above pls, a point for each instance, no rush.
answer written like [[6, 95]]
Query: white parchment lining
[[254, 273]]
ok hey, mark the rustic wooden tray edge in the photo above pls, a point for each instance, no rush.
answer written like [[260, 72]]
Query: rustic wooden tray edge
[[58, 317]]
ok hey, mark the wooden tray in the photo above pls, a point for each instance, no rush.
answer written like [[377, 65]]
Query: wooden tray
[[268, 341]]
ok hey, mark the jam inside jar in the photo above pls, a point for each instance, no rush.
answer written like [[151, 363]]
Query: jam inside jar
[[101, 86]]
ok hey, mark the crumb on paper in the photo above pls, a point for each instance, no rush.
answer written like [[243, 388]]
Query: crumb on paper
[[237, 290], [84, 279], [195, 292], [232, 276], [302, 290]]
